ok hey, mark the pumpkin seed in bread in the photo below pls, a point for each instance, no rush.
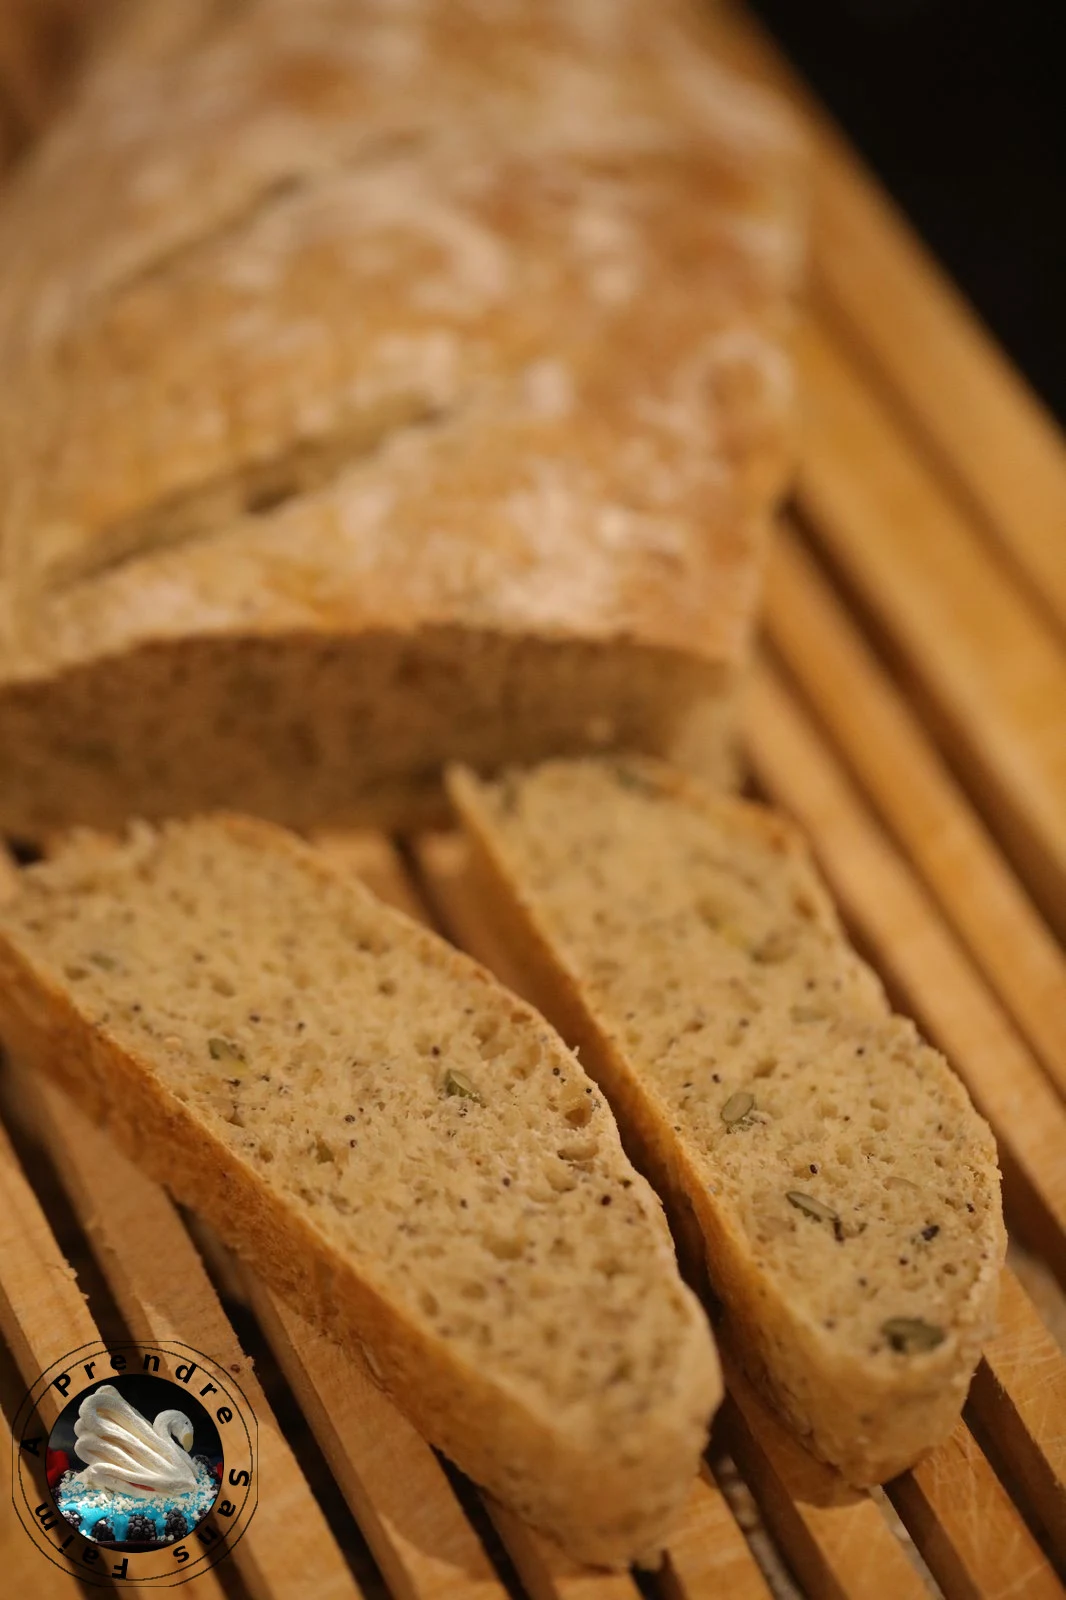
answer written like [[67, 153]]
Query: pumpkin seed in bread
[[843, 1188], [393, 1140]]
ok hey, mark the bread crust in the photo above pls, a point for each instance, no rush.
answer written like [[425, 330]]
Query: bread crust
[[601, 1508], [481, 324], [870, 1420]]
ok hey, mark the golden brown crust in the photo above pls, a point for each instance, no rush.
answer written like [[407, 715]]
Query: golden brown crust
[[479, 324]]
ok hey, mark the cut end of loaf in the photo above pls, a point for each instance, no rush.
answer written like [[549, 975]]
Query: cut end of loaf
[[846, 1192], [393, 1140], [333, 730]]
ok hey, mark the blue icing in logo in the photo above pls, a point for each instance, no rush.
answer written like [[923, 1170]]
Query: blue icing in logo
[[164, 1512]]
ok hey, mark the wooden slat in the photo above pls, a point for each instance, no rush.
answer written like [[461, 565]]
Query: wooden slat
[[912, 788], [966, 405], [991, 671], [706, 1560], [396, 1487], [972, 1538], [898, 922], [989, 434], [165, 1294], [43, 1314], [442, 862], [374, 859], [1019, 1398], [25, 1569]]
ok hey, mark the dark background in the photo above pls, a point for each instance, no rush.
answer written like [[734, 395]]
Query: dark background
[[960, 105]]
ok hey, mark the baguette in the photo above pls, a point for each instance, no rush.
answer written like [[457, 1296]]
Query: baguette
[[394, 1141], [442, 418], [825, 1161]]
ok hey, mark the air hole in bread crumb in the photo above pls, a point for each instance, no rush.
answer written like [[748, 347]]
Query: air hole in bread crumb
[[525, 1063], [504, 1249]]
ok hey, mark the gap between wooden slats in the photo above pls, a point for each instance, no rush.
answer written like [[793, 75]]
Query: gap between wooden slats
[[835, 1549], [910, 785], [545, 1571], [164, 1294], [43, 1315], [964, 402], [989, 670], [913, 949]]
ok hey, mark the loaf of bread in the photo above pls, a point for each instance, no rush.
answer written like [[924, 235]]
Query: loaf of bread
[[380, 385], [393, 1140], [826, 1161]]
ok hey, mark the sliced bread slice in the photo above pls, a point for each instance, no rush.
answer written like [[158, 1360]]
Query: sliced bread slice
[[827, 1162], [393, 1140]]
